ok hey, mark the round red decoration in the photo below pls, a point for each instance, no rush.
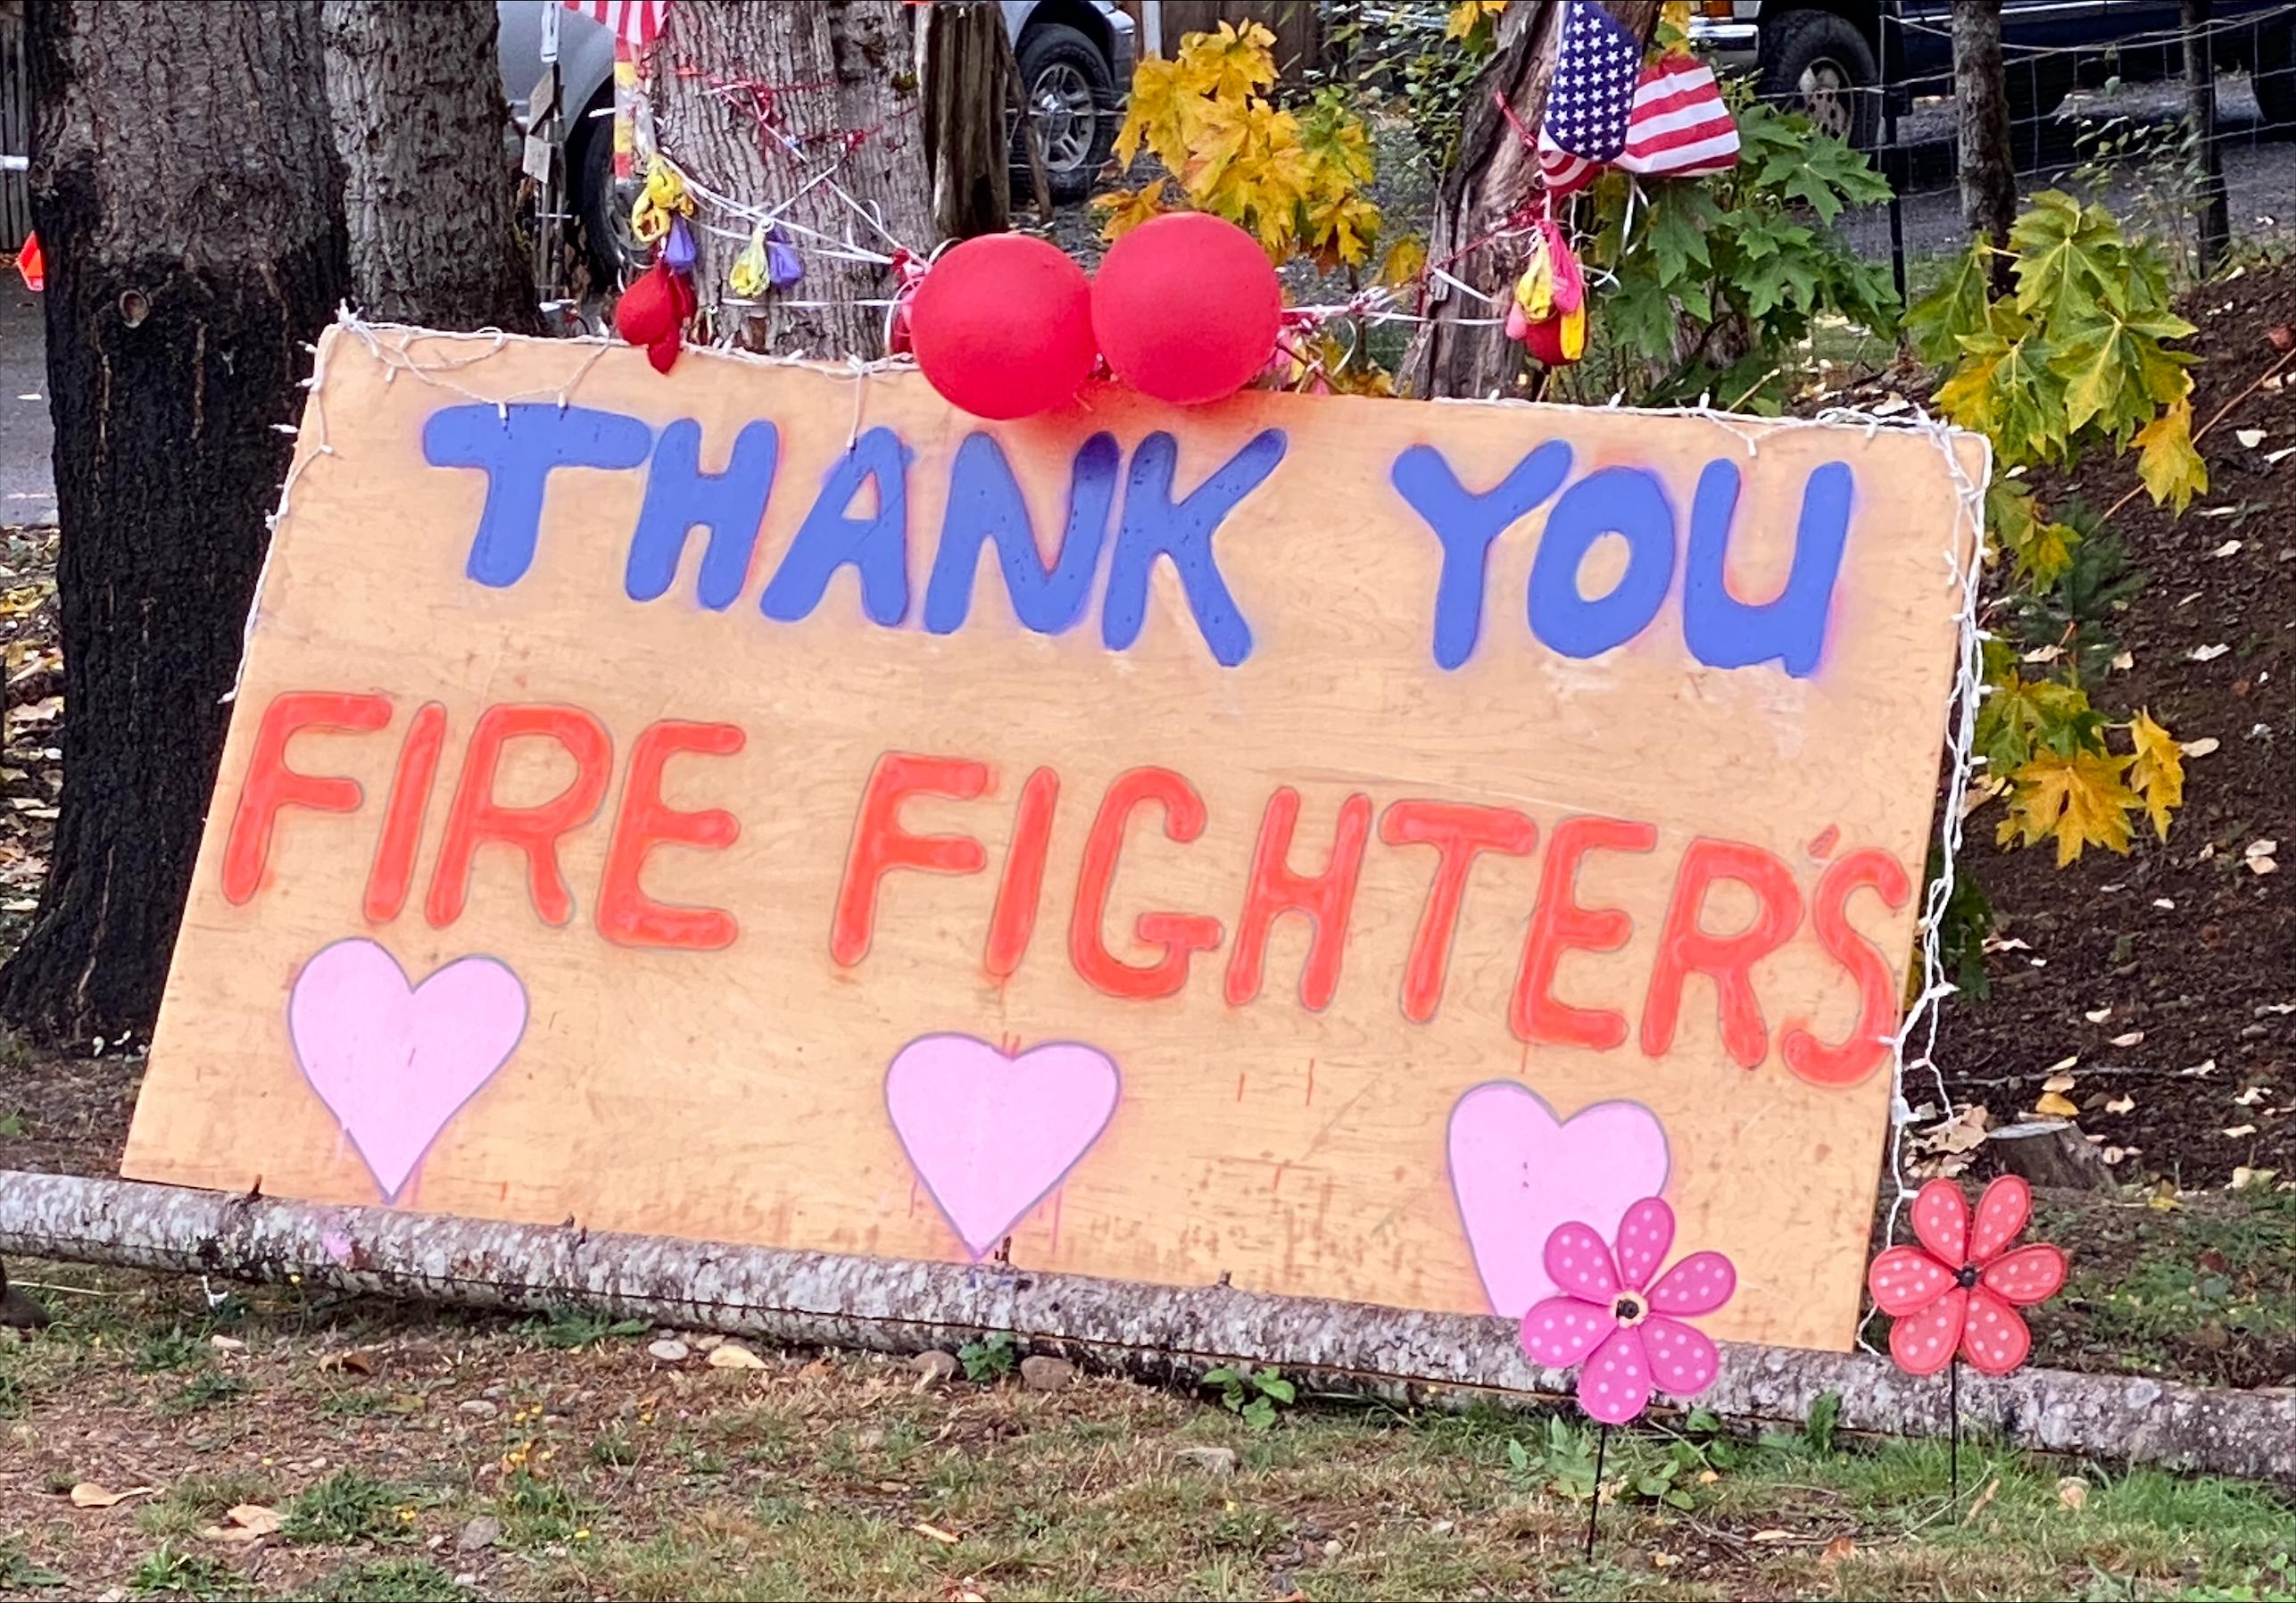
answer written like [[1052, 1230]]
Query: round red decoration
[[1002, 326], [1185, 307]]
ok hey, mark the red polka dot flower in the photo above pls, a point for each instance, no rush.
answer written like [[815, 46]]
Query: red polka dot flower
[[1959, 1290], [1624, 1328]]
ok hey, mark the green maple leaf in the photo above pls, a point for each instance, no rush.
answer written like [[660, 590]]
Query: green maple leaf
[[1957, 306]]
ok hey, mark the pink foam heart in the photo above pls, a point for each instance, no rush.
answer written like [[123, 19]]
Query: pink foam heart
[[1517, 1172], [395, 1062], [991, 1135]]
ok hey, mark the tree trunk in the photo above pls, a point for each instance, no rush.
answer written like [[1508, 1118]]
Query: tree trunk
[[1981, 107], [968, 73], [427, 181], [1495, 177], [2212, 214], [755, 102], [186, 188]]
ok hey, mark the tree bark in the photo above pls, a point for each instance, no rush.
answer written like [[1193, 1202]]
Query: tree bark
[[187, 191], [2212, 212], [427, 181], [755, 102], [1160, 1332], [1495, 177], [968, 73], [1981, 109]]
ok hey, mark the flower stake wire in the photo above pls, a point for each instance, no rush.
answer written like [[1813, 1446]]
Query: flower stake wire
[[1956, 1295], [1623, 1331]]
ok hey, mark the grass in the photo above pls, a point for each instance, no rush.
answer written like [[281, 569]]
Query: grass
[[607, 1473]]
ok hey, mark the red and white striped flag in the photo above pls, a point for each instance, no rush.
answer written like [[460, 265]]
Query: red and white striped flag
[[635, 23], [1680, 127]]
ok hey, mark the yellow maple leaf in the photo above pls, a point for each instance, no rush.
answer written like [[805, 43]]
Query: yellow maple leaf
[[2170, 468], [1406, 259], [2082, 799], [1127, 209], [2056, 1104], [2157, 770], [1467, 15], [1157, 114], [1230, 61], [1341, 231]]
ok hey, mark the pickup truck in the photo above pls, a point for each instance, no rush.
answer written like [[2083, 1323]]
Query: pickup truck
[[1075, 59], [1827, 57]]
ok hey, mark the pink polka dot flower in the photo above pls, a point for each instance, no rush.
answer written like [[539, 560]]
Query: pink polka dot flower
[[1627, 1332], [1961, 1288]]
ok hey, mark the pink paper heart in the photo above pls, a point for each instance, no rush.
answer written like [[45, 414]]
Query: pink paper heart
[[993, 1136], [395, 1062], [1517, 1172]]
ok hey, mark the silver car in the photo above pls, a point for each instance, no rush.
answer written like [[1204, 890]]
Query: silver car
[[1075, 58]]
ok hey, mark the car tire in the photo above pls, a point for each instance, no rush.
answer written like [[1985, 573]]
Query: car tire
[[1817, 63], [1072, 93], [606, 237], [2273, 74]]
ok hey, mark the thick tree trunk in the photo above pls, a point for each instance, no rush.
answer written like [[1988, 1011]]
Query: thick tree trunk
[[1981, 108], [759, 102], [1486, 188], [968, 73], [185, 186], [427, 180]]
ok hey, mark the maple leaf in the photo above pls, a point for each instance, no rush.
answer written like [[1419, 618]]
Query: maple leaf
[[1406, 259], [1230, 61], [1467, 15], [2082, 799], [1127, 209], [1156, 113], [2157, 770], [2170, 468], [1340, 231]]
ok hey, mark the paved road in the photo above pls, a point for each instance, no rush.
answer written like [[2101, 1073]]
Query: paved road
[[28, 492]]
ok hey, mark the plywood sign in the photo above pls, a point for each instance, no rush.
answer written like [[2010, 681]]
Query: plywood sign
[[1319, 842]]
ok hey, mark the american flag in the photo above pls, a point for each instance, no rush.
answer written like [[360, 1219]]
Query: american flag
[[634, 23], [1591, 98], [1680, 127]]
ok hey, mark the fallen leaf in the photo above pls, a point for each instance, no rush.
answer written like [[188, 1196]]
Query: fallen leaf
[[2249, 1098], [2244, 1176], [354, 1362], [2230, 548], [2055, 1106], [2164, 904], [245, 1522], [936, 1533], [2201, 1070], [2072, 1492], [1771, 1536], [1664, 1561], [733, 1354], [2259, 848], [2238, 1130], [2262, 865], [2203, 746], [89, 1494], [1838, 1550], [2099, 1016], [2120, 1105], [2057, 1083], [2062, 1064], [2125, 661], [2249, 437], [2128, 1039], [2207, 653]]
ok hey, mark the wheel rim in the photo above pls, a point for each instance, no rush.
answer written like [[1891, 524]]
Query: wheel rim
[[1828, 96], [622, 199], [1066, 116]]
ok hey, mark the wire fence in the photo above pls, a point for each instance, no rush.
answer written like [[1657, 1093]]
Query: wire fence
[[2111, 119]]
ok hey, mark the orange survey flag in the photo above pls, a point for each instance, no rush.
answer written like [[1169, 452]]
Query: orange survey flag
[[32, 264]]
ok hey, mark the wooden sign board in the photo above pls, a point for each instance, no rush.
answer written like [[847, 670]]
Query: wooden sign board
[[1317, 843]]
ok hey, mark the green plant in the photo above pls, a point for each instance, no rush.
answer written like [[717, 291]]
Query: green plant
[[179, 1349], [204, 1391], [346, 1507], [992, 1358], [405, 1580], [12, 1124], [1564, 1463], [165, 1573], [538, 1513], [574, 1329], [19, 1573], [1253, 1395], [1427, 53], [1719, 281]]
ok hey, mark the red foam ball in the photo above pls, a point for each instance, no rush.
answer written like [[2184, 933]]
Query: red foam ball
[[1186, 308], [1002, 326]]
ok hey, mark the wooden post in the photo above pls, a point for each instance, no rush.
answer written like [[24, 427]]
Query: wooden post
[[1981, 109], [2212, 215]]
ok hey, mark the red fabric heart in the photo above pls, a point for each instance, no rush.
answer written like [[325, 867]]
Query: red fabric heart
[[653, 313]]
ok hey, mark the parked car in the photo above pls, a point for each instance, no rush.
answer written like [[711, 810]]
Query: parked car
[[1075, 58], [1824, 55]]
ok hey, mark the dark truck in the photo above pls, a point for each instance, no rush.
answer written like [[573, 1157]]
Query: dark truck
[[1827, 57]]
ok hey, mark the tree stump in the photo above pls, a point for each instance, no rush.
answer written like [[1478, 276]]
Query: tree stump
[[2051, 1152]]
